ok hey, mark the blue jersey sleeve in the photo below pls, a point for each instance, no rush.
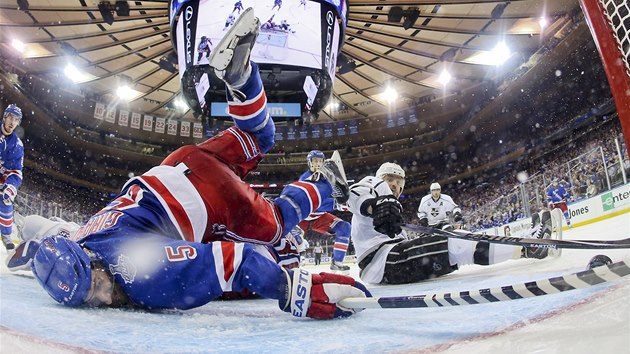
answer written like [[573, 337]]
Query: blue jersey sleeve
[[13, 163]]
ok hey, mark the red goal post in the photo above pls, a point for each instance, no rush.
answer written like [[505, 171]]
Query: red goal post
[[609, 22]]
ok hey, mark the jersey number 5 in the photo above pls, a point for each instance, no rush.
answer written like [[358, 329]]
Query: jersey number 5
[[181, 253]]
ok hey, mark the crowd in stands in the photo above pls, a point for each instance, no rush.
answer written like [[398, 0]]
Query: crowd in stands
[[578, 164]]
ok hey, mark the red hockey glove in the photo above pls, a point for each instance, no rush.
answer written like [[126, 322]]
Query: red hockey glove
[[316, 295]]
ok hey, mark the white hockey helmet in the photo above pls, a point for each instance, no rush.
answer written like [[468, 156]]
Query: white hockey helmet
[[390, 168], [435, 186]]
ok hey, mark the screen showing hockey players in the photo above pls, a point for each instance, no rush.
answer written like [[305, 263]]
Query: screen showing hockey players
[[290, 30]]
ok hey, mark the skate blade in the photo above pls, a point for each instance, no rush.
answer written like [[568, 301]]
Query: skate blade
[[222, 55]]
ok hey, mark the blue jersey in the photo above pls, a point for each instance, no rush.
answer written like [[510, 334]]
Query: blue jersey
[[135, 239], [11, 162], [328, 204], [557, 194]]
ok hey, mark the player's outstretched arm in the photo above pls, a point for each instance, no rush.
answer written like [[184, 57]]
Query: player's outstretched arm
[[298, 291]]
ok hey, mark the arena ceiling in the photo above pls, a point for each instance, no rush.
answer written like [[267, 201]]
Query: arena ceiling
[[453, 35]]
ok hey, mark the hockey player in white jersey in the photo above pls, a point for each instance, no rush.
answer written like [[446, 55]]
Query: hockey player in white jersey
[[387, 255], [435, 209]]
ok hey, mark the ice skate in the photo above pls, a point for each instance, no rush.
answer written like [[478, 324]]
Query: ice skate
[[230, 59], [332, 170], [8, 242], [541, 229], [339, 267]]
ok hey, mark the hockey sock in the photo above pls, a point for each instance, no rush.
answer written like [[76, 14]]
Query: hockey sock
[[251, 115], [463, 252], [342, 239]]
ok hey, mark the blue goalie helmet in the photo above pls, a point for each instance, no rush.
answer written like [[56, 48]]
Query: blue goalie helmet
[[63, 270], [314, 154], [12, 109]]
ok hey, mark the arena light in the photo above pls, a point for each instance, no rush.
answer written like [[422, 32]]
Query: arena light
[[500, 54], [444, 78], [542, 22], [124, 92], [72, 72], [390, 94], [180, 104], [18, 45]]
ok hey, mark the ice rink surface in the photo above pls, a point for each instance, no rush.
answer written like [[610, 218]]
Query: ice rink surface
[[594, 320]]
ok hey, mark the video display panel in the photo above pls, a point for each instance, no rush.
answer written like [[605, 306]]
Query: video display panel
[[290, 31]]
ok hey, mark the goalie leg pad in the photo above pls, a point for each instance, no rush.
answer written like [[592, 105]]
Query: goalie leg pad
[[22, 256]]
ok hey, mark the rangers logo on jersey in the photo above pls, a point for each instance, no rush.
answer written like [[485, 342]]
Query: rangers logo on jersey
[[125, 268]]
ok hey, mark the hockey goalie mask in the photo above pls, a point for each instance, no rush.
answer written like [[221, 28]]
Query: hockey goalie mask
[[315, 160], [394, 175]]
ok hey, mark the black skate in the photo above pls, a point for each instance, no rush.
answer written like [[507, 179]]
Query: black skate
[[541, 229], [8, 243], [338, 266], [230, 59], [332, 170]]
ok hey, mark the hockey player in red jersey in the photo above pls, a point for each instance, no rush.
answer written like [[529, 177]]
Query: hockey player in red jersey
[[324, 222], [195, 218]]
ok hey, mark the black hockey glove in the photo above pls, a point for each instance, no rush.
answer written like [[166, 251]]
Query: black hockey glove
[[387, 215], [424, 222], [457, 217]]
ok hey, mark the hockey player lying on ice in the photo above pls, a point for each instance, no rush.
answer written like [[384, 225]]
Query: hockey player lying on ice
[[188, 230], [385, 253]]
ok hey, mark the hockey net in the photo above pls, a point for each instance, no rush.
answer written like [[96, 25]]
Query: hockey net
[[272, 44], [609, 22]]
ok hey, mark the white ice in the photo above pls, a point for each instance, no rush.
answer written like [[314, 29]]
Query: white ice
[[580, 321]]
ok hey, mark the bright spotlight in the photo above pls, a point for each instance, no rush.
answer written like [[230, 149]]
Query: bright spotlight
[[72, 72], [124, 92], [444, 77], [542, 22], [501, 53], [18, 45], [390, 94], [180, 104]]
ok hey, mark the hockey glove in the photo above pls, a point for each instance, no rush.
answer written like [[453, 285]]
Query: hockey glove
[[424, 222], [387, 215], [22, 256], [457, 217], [8, 194], [316, 295]]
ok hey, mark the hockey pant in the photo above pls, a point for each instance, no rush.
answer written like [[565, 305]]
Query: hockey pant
[[216, 169], [416, 260]]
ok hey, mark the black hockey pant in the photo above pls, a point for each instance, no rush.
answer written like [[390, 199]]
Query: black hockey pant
[[416, 260]]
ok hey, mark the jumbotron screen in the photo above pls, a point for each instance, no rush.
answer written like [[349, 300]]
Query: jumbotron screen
[[290, 32]]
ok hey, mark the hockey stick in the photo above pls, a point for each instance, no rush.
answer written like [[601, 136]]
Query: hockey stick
[[526, 242], [579, 280]]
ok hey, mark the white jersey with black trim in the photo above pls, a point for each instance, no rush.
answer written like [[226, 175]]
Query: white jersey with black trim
[[366, 240], [437, 211], [38, 227]]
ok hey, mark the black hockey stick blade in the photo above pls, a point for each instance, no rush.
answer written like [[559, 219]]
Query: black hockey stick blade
[[579, 280], [526, 242]]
